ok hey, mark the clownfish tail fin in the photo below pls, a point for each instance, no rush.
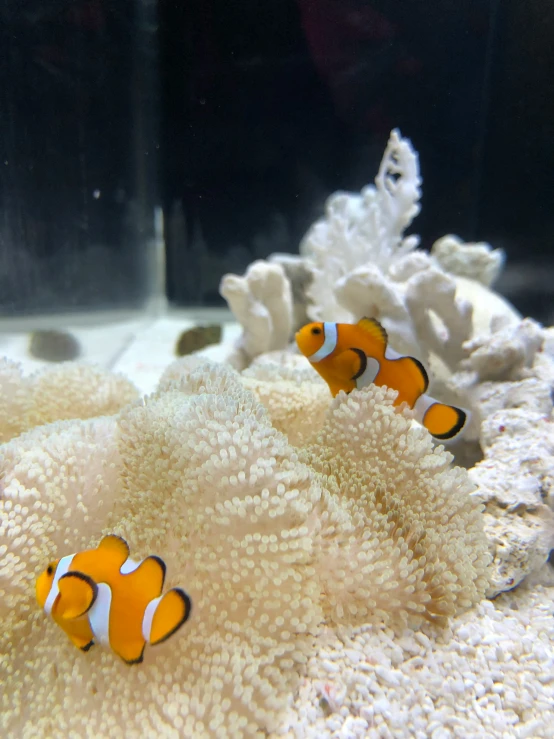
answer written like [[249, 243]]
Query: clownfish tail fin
[[442, 421], [165, 615]]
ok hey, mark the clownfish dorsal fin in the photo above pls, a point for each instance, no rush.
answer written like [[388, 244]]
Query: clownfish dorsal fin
[[116, 547], [77, 595], [150, 575], [375, 330]]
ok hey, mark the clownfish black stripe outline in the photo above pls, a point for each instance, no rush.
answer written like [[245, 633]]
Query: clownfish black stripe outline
[[121, 539], [423, 372], [106, 575], [136, 661], [188, 608], [363, 362], [160, 561], [458, 426], [89, 581], [394, 356]]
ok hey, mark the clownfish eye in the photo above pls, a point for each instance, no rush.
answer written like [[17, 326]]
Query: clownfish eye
[[50, 570], [316, 331]]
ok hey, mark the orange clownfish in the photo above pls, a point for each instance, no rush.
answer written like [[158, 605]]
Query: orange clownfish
[[350, 356], [101, 595]]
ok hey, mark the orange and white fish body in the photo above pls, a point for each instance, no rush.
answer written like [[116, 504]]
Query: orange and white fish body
[[350, 356], [102, 596]]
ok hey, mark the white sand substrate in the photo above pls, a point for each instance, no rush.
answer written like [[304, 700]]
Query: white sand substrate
[[489, 675], [139, 345]]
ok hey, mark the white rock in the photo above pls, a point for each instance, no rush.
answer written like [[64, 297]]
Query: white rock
[[261, 301], [478, 262]]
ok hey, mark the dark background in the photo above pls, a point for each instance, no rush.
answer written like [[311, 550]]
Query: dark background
[[249, 116]]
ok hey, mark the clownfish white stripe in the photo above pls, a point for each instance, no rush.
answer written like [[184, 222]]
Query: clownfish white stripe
[[422, 405], [350, 357], [99, 615], [329, 343], [101, 596], [63, 566], [129, 566], [369, 374], [391, 354], [148, 617]]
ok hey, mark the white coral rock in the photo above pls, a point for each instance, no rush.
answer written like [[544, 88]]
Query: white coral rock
[[364, 229], [261, 301], [491, 312], [516, 478], [442, 320], [520, 546], [299, 275], [505, 354], [476, 261], [358, 261]]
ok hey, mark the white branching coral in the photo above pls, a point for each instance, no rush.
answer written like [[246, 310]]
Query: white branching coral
[[475, 261], [267, 539], [261, 301], [363, 229], [357, 261], [70, 390], [507, 353], [364, 265], [300, 276], [442, 320]]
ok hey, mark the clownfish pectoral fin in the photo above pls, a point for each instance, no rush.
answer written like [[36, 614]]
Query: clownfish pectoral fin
[[163, 616], [442, 421], [150, 575], [348, 365], [77, 595], [375, 330], [79, 632], [116, 547]]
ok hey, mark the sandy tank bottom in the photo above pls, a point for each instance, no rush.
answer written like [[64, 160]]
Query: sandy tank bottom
[[490, 674]]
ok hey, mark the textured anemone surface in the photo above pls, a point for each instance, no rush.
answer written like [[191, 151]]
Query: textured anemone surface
[[296, 398], [70, 390], [270, 540], [413, 547]]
